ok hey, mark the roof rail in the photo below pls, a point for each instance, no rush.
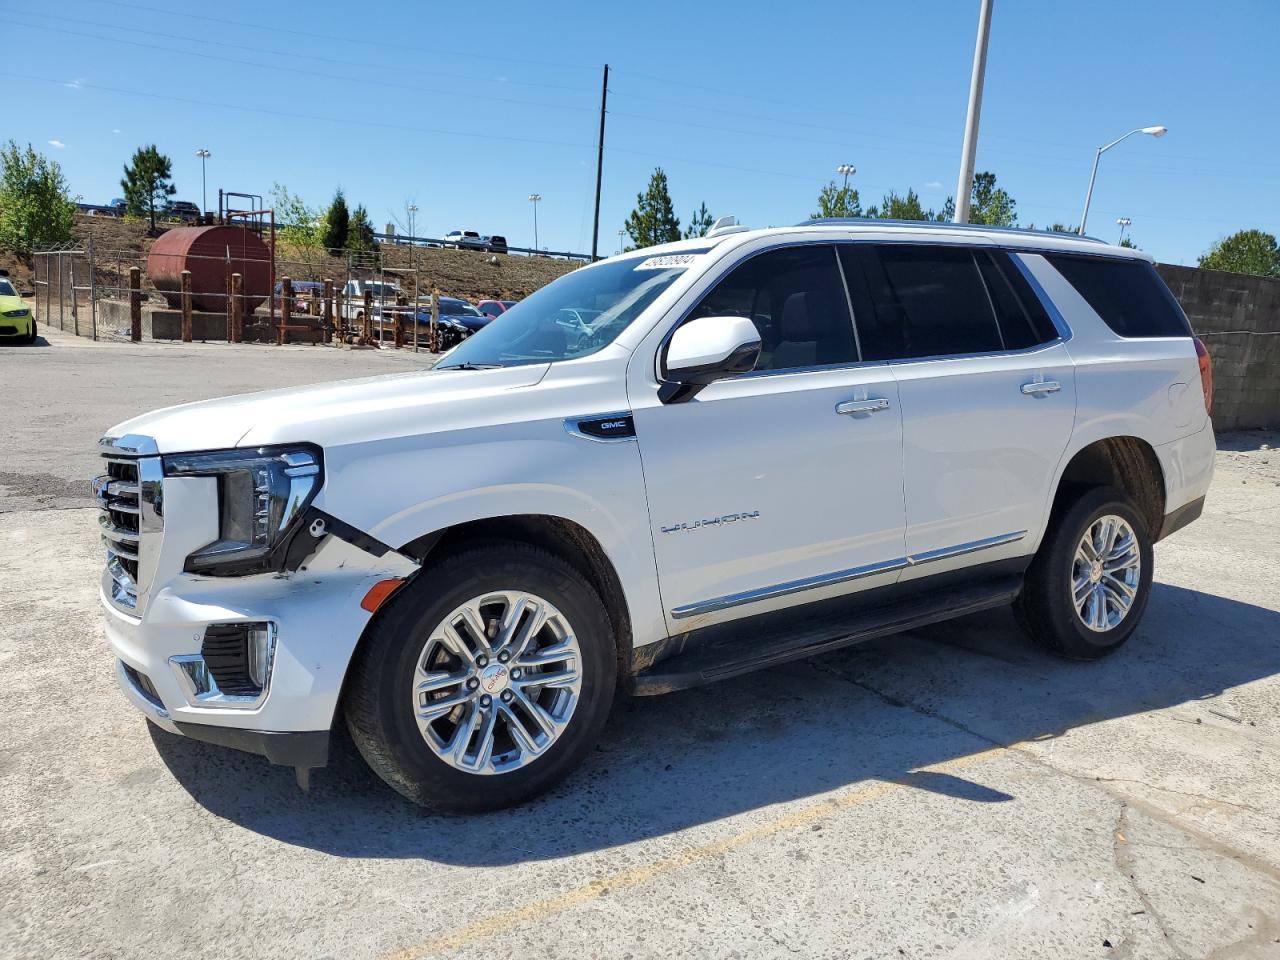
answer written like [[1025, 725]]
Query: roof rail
[[938, 225]]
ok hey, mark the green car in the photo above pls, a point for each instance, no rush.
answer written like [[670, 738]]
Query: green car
[[16, 320]]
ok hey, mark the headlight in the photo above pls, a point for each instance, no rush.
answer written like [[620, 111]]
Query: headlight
[[25, 312], [262, 494]]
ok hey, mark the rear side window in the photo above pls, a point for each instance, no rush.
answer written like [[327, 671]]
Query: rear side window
[[1128, 295], [921, 301], [1022, 317]]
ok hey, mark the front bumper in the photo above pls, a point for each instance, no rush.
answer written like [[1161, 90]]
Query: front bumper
[[316, 619], [15, 327]]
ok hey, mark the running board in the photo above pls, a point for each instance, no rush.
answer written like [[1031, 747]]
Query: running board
[[753, 643]]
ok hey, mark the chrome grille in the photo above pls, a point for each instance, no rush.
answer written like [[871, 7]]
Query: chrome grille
[[129, 518]]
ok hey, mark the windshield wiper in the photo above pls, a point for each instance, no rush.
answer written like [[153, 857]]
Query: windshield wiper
[[470, 366]]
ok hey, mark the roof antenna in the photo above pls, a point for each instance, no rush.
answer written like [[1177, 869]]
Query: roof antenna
[[725, 225]]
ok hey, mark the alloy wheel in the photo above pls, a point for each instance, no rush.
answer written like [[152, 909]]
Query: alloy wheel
[[1105, 573]]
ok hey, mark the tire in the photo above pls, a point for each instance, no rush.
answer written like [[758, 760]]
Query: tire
[[31, 335], [407, 645], [1047, 609]]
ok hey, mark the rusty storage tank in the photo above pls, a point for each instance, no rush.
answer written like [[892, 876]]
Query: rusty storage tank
[[204, 251]]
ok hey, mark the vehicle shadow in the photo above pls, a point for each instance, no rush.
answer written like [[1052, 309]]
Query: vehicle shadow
[[690, 758], [39, 341]]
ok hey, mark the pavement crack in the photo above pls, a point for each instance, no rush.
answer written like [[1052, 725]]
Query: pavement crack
[[1212, 801], [1124, 866]]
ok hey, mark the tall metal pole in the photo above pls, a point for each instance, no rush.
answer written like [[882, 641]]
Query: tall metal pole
[[595, 227], [204, 155], [964, 186], [534, 198], [1088, 196]]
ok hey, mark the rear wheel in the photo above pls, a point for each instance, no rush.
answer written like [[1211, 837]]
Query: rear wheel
[[1088, 585], [485, 681]]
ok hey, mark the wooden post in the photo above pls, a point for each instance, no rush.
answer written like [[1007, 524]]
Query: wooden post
[[286, 309], [397, 320], [367, 333], [327, 309], [135, 304], [237, 305], [339, 313], [186, 306], [75, 314]]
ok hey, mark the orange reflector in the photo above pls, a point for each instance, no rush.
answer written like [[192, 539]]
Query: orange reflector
[[379, 593]]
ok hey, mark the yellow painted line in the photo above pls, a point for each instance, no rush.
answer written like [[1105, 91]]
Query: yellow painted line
[[540, 909]]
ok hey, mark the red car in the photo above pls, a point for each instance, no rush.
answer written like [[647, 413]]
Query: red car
[[495, 308]]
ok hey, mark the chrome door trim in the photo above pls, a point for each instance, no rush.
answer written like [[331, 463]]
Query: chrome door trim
[[785, 589], [842, 576], [960, 549]]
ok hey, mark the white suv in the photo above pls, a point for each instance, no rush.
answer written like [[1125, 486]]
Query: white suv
[[663, 469]]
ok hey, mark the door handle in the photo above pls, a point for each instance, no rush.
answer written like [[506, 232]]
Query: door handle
[[862, 406], [1041, 388]]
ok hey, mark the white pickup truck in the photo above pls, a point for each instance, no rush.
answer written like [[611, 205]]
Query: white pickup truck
[[385, 294], [663, 469]]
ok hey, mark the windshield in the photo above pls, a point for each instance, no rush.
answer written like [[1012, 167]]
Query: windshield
[[577, 315], [6, 289], [459, 308]]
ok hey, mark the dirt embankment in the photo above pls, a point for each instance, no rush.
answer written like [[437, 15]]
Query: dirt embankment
[[461, 273]]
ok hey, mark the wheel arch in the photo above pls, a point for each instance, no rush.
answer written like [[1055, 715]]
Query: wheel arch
[[564, 538], [1128, 463]]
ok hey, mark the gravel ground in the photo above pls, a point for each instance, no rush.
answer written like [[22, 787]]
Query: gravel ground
[[946, 793]]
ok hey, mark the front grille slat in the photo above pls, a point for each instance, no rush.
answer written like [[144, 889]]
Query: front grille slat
[[119, 495]]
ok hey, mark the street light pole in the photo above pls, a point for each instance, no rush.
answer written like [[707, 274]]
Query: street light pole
[[968, 153], [534, 198], [620, 235], [847, 170], [204, 155], [1150, 131], [1123, 222]]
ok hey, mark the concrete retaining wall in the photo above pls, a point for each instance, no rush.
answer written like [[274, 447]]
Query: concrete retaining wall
[[1238, 318]]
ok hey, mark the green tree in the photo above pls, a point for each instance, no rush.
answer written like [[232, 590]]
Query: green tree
[[1247, 251], [654, 219], [990, 205], [148, 182], [836, 201], [699, 223], [895, 207], [360, 231], [35, 208], [1128, 242], [335, 224], [298, 226]]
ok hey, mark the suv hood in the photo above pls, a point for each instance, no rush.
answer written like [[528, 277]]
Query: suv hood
[[345, 411]]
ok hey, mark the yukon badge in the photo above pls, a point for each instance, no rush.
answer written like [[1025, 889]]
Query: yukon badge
[[713, 522]]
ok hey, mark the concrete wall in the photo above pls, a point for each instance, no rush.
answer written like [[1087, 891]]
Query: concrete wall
[[1238, 318]]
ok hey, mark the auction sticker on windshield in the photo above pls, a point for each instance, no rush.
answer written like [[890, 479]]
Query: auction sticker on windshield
[[667, 261]]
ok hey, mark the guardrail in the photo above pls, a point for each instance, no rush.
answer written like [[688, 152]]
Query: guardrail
[[406, 240]]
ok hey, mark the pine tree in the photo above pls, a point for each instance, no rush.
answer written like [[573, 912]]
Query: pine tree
[[336, 224], [699, 223], [147, 182], [653, 221], [360, 231]]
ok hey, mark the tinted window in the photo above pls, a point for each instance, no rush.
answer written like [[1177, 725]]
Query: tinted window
[[796, 299], [1127, 294], [921, 301], [1019, 328]]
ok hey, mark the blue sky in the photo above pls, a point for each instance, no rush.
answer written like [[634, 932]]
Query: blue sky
[[466, 108]]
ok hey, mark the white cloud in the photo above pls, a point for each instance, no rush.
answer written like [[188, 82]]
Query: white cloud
[[115, 129], [57, 143], [73, 84], [933, 185]]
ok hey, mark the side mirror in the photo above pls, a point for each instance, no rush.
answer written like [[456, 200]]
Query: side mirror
[[705, 350], [27, 293]]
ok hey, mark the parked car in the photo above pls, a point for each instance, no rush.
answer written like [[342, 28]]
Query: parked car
[[456, 310], [183, 210], [384, 292], [496, 244], [302, 293], [465, 240], [17, 320], [495, 308], [663, 469]]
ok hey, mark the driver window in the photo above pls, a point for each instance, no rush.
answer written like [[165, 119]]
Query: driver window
[[796, 299]]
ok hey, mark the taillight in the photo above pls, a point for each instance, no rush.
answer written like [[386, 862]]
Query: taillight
[[1206, 375]]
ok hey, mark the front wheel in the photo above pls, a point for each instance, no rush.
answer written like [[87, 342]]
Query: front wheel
[[1088, 585], [485, 681], [31, 334]]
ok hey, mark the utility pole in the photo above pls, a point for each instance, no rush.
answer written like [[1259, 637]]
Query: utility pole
[[595, 227], [964, 187]]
